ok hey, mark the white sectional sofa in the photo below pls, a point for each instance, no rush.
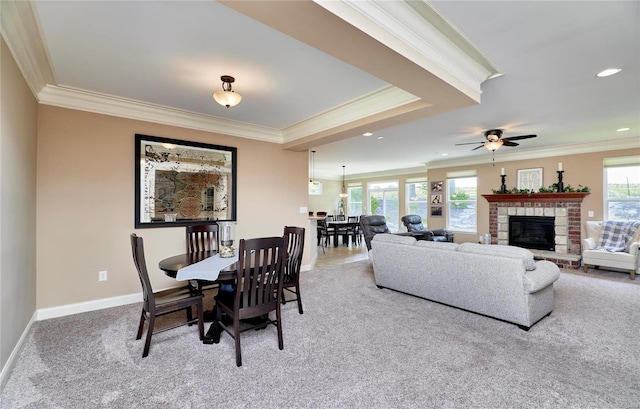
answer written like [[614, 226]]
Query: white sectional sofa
[[502, 282]]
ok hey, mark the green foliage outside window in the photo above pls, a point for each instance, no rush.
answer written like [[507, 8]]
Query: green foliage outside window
[[459, 200], [374, 205]]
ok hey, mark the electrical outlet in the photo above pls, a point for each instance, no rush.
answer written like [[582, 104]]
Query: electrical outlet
[[590, 213], [102, 275]]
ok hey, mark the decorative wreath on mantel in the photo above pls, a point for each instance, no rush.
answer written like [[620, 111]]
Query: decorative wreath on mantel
[[551, 189]]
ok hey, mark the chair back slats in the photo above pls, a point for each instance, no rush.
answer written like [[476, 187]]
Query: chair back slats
[[202, 238], [137, 249], [295, 247], [260, 271]]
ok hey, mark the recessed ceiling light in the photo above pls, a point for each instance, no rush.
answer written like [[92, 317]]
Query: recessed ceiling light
[[380, 137], [622, 129], [367, 134], [444, 154], [608, 72]]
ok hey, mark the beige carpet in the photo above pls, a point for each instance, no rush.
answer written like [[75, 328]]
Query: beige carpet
[[356, 346]]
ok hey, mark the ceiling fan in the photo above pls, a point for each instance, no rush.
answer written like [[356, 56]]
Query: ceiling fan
[[495, 140]]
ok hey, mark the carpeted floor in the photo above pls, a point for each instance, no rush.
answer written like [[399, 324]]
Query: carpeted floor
[[355, 346]]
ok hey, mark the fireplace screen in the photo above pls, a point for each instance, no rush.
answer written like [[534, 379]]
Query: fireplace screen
[[532, 232]]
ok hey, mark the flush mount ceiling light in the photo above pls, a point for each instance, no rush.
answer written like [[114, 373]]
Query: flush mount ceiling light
[[608, 72], [227, 97]]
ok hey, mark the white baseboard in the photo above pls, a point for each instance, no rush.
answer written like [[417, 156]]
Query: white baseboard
[[13, 358], [70, 309]]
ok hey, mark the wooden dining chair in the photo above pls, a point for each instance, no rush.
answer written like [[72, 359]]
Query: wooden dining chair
[[257, 291], [202, 238], [295, 246], [354, 229], [324, 237], [155, 304]]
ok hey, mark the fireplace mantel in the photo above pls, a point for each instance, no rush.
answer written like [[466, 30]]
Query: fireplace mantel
[[537, 197]]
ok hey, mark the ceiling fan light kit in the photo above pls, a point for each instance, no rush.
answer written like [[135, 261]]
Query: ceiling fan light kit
[[227, 97]]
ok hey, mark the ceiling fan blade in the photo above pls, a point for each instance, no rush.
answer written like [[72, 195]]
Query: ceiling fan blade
[[516, 138], [509, 143], [481, 146], [469, 143]]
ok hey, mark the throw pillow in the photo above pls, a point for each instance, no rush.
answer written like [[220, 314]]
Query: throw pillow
[[501, 251]]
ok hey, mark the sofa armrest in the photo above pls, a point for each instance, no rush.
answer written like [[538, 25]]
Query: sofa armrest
[[545, 273], [634, 247], [588, 244]]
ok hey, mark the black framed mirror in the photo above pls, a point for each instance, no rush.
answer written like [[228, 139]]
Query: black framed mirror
[[180, 183]]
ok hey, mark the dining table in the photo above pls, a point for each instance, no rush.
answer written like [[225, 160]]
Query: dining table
[[341, 228], [206, 267]]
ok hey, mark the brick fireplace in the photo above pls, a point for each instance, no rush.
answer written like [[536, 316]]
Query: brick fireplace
[[565, 208]]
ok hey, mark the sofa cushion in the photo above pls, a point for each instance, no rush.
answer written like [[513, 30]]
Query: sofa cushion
[[393, 238], [500, 251], [442, 245]]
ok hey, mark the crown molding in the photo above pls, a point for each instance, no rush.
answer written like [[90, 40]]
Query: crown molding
[[20, 31], [82, 100], [375, 103], [563, 150], [417, 31]]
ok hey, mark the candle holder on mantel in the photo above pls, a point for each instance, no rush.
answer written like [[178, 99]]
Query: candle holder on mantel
[[503, 186], [560, 184]]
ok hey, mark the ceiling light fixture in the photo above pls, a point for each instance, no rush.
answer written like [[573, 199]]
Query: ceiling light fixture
[[344, 189], [312, 184], [367, 134], [608, 72], [622, 129], [493, 145], [227, 97]]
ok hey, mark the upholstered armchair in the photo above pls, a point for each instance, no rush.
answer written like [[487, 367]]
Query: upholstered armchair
[[625, 260], [413, 223]]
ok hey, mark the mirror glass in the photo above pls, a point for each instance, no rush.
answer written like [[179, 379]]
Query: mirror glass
[[179, 183]]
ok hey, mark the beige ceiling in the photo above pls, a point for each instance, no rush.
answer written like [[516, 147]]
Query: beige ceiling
[[319, 74]]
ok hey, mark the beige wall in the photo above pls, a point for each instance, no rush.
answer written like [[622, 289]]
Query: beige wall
[[580, 169], [86, 209], [18, 113], [328, 200]]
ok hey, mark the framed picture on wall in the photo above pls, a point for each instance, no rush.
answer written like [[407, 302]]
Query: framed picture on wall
[[530, 179], [436, 199], [436, 211], [437, 186]]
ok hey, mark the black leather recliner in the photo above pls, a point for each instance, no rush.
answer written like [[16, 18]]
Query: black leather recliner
[[372, 225], [413, 223]]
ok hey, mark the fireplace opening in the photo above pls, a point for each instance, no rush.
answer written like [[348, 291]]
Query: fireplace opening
[[532, 232]]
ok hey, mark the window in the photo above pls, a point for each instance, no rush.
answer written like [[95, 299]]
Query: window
[[622, 192], [355, 200], [417, 196], [383, 197], [462, 204]]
